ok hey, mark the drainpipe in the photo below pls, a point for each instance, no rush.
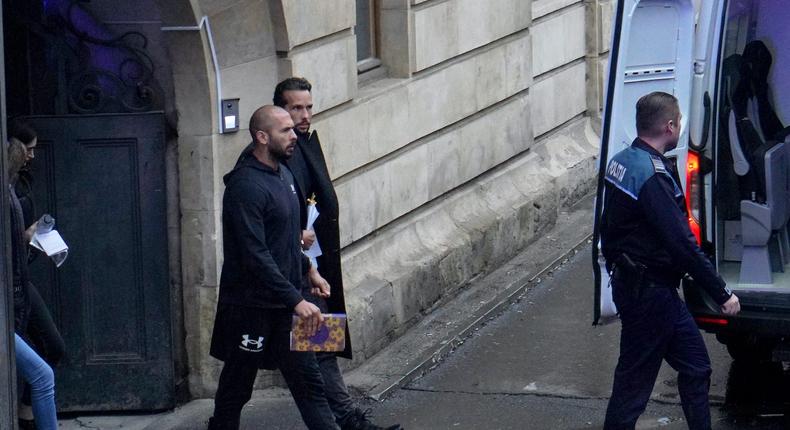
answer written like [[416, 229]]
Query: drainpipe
[[204, 22]]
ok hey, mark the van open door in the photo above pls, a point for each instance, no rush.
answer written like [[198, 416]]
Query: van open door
[[652, 50]]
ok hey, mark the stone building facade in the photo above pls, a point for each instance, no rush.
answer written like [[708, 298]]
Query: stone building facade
[[455, 131]]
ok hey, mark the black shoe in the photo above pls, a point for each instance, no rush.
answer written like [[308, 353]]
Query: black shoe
[[214, 424], [358, 420], [27, 424]]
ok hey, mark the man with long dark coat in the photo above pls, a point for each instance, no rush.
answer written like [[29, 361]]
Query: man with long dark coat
[[312, 179]]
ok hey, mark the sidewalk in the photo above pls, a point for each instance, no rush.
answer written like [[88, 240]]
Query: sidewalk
[[423, 347], [274, 405]]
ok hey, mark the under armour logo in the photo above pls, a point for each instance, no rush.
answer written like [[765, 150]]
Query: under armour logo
[[251, 345]]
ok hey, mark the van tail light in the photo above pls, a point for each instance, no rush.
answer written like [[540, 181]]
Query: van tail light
[[711, 321], [693, 193]]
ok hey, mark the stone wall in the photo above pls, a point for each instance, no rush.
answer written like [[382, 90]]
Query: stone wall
[[446, 165]]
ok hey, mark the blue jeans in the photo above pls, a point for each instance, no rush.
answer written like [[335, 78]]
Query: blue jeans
[[36, 372]]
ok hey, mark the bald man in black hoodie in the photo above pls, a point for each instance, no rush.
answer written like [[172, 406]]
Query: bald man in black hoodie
[[261, 277]]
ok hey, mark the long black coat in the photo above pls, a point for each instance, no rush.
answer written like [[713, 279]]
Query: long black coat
[[327, 228]]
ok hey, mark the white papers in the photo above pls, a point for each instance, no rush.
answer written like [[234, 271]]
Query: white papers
[[51, 244], [315, 250]]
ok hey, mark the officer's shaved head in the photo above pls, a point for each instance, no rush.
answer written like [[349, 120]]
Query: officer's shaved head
[[654, 111], [264, 118]]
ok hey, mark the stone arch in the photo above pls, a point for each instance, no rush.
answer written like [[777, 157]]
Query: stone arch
[[191, 207], [244, 51], [190, 100], [279, 26], [191, 67]]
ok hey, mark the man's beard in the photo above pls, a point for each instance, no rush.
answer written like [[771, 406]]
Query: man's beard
[[281, 155]]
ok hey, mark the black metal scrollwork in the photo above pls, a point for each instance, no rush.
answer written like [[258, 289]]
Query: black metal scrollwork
[[121, 81], [129, 88]]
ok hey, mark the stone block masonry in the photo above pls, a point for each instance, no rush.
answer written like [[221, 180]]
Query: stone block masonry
[[476, 130]]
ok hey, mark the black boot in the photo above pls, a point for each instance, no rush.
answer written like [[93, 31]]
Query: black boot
[[27, 424], [214, 424], [358, 420]]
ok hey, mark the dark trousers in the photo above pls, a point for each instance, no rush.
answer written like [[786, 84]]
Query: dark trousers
[[302, 375], [340, 401], [336, 391], [43, 335], [657, 326], [42, 331]]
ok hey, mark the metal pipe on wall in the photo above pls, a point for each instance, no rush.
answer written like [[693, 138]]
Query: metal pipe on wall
[[217, 77]]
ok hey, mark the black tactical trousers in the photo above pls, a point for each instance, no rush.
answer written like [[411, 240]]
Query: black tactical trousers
[[301, 373], [657, 326]]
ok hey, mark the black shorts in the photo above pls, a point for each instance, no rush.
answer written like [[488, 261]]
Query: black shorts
[[255, 335]]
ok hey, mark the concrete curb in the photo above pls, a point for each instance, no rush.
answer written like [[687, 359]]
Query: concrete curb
[[448, 345], [393, 368]]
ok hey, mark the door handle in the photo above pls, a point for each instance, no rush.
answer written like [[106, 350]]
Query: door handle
[[705, 125]]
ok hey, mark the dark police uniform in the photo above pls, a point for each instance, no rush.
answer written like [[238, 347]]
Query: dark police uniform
[[648, 247]]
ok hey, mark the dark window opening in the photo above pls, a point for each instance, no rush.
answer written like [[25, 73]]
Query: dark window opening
[[366, 30]]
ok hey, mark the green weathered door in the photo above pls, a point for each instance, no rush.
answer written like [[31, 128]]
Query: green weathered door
[[103, 179]]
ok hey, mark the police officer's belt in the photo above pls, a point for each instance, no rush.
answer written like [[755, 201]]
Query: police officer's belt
[[647, 280], [629, 271], [652, 284]]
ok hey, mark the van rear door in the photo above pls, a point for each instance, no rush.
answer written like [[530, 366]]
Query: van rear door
[[652, 50]]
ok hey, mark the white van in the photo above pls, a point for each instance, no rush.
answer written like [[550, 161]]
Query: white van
[[728, 63]]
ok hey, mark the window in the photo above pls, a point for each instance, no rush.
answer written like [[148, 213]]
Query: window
[[383, 45], [366, 31]]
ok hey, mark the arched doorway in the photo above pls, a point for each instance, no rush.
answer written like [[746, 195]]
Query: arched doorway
[[93, 79]]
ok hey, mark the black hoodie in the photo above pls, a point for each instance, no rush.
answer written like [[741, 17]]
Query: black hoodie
[[263, 262]]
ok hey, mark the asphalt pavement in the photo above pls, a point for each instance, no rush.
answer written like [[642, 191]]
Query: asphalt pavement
[[542, 365], [534, 363]]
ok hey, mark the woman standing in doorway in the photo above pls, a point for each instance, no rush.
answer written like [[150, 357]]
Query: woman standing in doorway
[[31, 367], [42, 332]]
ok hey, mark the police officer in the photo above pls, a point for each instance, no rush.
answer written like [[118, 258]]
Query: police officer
[[648, 248]]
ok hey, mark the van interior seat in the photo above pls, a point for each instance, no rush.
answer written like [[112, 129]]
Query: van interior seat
[[728, 203], [784, 232], [745, 141], [757, 59], [762, 169], [760, 222]]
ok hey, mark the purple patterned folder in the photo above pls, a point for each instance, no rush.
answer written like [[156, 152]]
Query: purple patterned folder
[[330, 337]]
